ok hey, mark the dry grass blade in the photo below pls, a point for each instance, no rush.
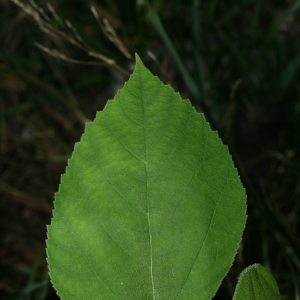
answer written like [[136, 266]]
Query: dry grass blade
[[55, 15], [44, 23], [110, 33], [74, 31], [162, 69], [26, 199], [57, 54]]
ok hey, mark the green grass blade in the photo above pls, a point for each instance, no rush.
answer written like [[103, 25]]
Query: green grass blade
[[26, 291], [33, 272], [239, 56], [153, 16], [233, 11], [196, 47], [42, 294], [275, 27], [289, 73], [256, 15]]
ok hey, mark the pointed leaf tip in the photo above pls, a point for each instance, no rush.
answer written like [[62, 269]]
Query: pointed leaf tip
[[138, 61]]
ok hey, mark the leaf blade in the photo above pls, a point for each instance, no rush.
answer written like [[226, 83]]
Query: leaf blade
[[256, 283], [148, 196]]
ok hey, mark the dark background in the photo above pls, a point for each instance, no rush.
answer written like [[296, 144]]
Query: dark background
[[240, 66]]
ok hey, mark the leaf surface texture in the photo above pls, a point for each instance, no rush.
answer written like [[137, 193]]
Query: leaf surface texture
[[150, 206]]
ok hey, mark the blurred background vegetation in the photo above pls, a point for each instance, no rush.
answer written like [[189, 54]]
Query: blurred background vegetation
[[237, 61]]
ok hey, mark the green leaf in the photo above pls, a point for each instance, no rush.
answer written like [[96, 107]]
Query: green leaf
[[150, 207], [256, 283]]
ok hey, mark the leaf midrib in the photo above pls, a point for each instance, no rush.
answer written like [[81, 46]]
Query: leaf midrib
[[147, 184]]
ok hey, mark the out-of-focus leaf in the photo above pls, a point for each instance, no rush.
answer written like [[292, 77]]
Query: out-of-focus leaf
[[256, 283]]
